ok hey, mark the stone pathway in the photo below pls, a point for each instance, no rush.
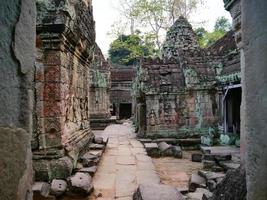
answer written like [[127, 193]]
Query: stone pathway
[[124, 165]]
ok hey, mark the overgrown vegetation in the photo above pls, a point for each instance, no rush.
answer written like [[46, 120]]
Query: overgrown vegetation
[[126, 49], [206, 38]]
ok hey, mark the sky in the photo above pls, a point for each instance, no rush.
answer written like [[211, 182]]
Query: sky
[[106, 13]]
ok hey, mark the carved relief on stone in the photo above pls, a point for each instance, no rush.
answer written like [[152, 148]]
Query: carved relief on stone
[[152, 118]]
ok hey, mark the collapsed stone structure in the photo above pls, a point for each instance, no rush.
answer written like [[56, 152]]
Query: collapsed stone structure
[[182, 93], [71, 87]]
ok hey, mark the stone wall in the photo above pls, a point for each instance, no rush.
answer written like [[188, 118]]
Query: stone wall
[[65, 45], [17, 24], [99, 91]]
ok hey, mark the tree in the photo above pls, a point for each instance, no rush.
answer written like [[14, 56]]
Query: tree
[[156, 16], [222, 24], [205, 38], [126, 49]]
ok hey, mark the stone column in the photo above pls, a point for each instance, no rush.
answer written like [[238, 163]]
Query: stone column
[[254, 38], [17, 45]]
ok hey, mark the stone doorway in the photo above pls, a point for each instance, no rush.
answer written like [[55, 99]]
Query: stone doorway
[[232, 110], [125, 110]]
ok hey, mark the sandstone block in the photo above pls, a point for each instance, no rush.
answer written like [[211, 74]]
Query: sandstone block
[[196, 157], [98, 140], [195, 182], [41, 188], [58, 187], [80, 183], [157, 192]]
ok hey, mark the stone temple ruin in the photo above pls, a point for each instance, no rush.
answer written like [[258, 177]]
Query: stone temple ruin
[[57, 89], [190, 91]]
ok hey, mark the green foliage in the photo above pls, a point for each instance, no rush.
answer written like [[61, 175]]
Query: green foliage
[[222, 25], [205, 38], [155, 16], [126, 49]]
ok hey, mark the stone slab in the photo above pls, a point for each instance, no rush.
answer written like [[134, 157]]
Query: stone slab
[[157, 192]]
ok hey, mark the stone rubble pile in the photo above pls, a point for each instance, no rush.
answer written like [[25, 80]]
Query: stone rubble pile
[[80, 182], [218, 163]]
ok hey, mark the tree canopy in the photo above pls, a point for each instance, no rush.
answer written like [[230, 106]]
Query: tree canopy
[[155, 17], [126, 49], [205, 38]]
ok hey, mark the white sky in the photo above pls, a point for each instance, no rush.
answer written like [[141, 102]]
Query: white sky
[[105, 14]]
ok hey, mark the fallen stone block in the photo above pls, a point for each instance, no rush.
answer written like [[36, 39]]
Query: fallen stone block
[[98, 140], [80, 183], [195, 182], [177, 152], [94, 146], [210, 175], [163, 146], [41, 188], [58, 187], [217, 157], [157, 192], [90, 170], [152, 149], [199, 194], [89, 159], [208, 164], [211, 185], [229, 165], [196, 157]]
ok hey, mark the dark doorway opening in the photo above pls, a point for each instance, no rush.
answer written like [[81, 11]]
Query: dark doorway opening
[[233, 103], [113, 110], [125, 110]]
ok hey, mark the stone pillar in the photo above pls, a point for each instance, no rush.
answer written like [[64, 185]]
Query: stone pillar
[[254, 34], [17, 45]]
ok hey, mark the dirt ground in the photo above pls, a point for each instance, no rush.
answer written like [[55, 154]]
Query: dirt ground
[[176, 172]]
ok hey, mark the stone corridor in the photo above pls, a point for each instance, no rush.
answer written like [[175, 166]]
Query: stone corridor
[[124, 165]]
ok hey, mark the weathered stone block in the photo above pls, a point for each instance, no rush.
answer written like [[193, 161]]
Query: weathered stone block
[[196, 157], [157, 192], [195, 182], [58, 187], [152, 149], [41, 188], [80, 183]]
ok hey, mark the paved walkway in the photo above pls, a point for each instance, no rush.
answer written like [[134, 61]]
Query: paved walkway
[[124, 165]]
